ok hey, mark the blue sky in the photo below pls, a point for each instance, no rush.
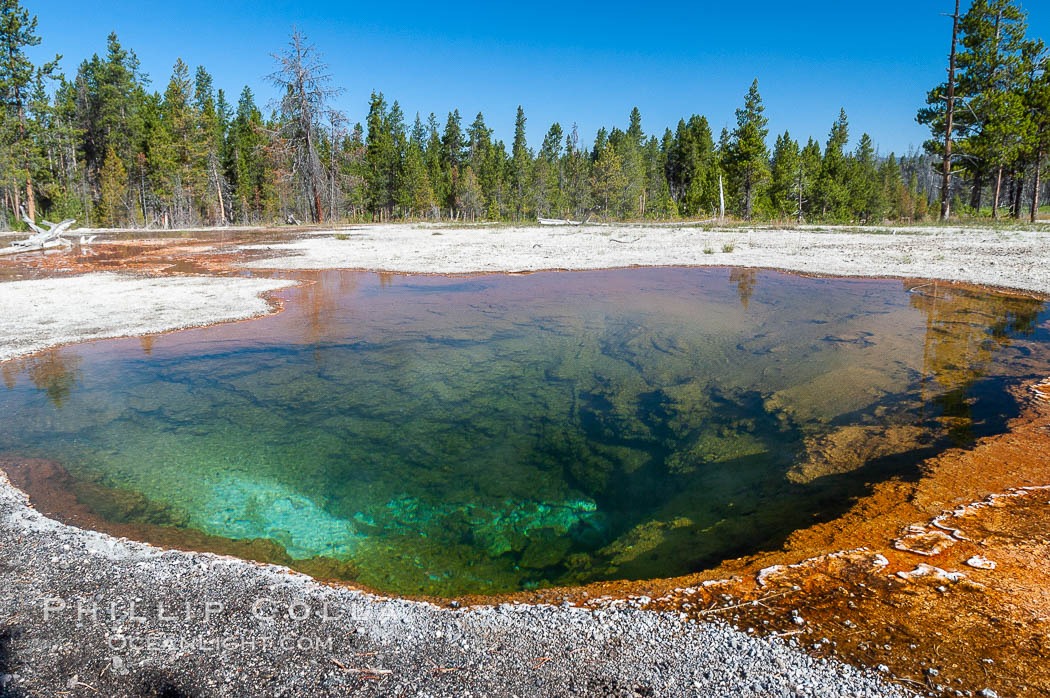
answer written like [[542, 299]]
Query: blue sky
[[565, 62]]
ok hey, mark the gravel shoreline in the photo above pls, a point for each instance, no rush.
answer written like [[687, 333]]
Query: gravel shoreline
[[93, 615], [207, 625]]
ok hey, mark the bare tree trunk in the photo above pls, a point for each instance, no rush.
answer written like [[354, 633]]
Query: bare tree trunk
[[1018, 193], [332, 170], [799, 212], [721, 199], [142, 199], [30, 199], [1035, 189], [975, 193], [1009, 192], [998, 191], [947, 176], [218, 193]]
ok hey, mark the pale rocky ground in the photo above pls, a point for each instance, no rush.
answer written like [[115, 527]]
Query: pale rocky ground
[[42, 313], [390, 647], [1008, 258]]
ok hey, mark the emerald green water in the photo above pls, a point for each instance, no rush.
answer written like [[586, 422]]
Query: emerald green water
[[452, 435]]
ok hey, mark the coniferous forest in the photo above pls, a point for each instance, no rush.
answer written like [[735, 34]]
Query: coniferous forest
[[111, 147]]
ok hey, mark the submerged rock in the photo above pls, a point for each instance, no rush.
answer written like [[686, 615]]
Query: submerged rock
[[981, 563], [928, 543], [853, 447], [929, 572]]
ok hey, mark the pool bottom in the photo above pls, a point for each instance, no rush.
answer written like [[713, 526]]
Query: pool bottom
[[56, 494], [524, 547]]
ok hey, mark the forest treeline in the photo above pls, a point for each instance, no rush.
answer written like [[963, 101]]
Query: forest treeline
[[992, 115], [103, 146]]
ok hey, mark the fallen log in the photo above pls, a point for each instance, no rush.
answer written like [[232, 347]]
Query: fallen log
[[41, 239]]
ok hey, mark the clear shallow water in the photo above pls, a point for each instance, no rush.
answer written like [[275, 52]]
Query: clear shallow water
[[453, 435]]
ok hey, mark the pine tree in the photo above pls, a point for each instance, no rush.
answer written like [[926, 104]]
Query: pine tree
[[395, 125], [783, 186], [17, 76], [70, 197], [212, 136], [992, 72], [806, 177], [629, 148], [484, 163], [246, 165], [1038, 104], [748, 154], [471, 200], [658, 201], [600, 140], [866, 190], [452, 160], [114, 184], [103, 145], [379, 154], [497, 164], [574, 165], [634, 128], [547, 182], [186, 179], [832, 185], [895, 194], [113, 118], [432, 154], [607, 180], [520, 166], [692, 168], [415, 195]]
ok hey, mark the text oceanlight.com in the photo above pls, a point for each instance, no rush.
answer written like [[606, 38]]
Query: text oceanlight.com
[[134, 626], [172, 642]]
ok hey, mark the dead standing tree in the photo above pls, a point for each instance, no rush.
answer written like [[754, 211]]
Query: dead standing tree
[[305, 84], [337, 123], [946, 183]]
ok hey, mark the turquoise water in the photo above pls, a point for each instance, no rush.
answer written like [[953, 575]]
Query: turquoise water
[[451, 435]]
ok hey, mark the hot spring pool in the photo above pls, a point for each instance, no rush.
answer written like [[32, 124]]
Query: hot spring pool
[[436, 435]]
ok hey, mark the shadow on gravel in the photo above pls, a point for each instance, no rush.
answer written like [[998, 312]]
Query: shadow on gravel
[[157, 685], [611, 688], [7, 663]]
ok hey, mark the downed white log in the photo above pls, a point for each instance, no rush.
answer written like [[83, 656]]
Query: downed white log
[[41, 239], [563, 221]]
